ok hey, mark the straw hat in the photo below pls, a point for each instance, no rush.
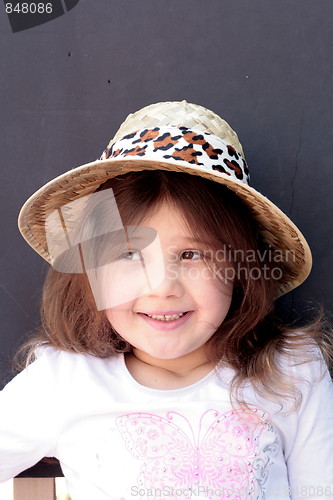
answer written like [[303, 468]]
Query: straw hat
[[178, 137]]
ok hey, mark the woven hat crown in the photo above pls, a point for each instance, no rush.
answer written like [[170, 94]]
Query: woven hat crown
[[179, 114]]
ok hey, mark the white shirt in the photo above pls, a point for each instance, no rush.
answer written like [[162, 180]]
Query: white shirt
[[116, 439]]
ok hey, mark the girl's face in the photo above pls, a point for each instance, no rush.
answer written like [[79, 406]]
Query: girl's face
[[177, 317]]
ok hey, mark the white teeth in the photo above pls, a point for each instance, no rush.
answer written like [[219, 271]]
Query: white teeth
[[166, 317]]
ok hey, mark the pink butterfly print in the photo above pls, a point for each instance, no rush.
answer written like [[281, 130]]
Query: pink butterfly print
[[171, 458]]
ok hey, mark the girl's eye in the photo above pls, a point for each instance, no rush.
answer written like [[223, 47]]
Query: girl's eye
[[191, 255], [130, 255]]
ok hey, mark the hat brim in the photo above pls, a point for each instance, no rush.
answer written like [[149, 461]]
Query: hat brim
[[279, 232]]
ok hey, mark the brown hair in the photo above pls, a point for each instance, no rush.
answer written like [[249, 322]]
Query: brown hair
[[251, 338]]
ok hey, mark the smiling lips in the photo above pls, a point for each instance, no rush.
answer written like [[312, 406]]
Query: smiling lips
[[166, 317], [168, 320]]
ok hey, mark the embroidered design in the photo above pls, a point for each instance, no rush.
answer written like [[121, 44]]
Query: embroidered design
[[261, 464], [224, 456]]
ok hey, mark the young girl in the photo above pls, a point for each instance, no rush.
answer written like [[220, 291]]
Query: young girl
[[160, 370]]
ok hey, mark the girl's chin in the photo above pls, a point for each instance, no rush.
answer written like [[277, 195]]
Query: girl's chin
[[170, 356], [154, 356]]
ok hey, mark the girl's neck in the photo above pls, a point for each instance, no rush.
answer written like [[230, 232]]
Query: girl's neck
[[167, 373]]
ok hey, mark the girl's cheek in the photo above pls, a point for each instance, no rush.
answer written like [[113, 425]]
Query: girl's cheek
[[121, 281]]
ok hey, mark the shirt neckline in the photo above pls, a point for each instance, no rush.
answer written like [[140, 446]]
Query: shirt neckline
[[211, 376]]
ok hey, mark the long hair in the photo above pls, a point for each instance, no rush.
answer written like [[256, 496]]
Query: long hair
[[251, 338]]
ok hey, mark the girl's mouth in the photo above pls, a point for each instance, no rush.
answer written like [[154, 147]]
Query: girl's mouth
[[166, 317], [166, 322]]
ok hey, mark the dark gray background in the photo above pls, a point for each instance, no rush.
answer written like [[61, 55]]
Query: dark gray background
[[263, 65]]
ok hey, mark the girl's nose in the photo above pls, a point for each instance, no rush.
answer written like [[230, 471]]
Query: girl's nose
[[171, 285]]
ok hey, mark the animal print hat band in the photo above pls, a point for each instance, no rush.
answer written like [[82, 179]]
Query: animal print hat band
[[177, 137]]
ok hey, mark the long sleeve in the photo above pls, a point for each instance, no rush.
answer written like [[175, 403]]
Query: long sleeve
[[29, 418], [310, 459]]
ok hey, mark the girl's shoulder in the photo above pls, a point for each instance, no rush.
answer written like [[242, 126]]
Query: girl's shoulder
[[57, 358], [303, 359], [306, 372], [59, 368]]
